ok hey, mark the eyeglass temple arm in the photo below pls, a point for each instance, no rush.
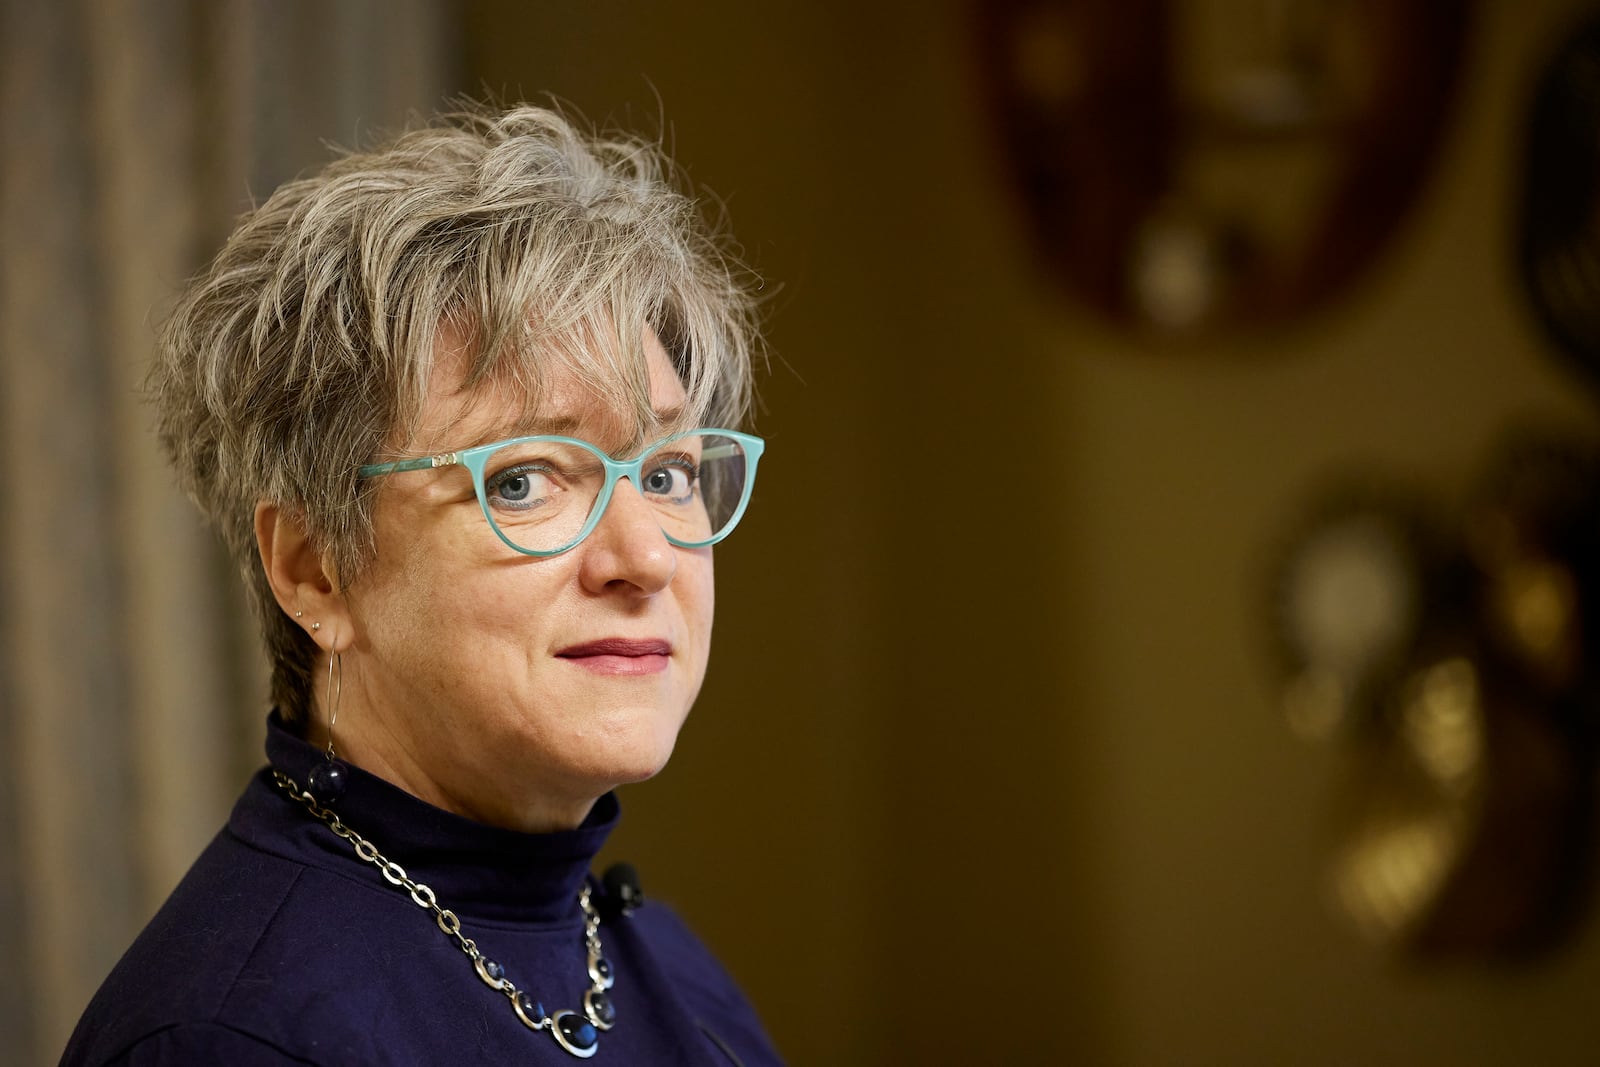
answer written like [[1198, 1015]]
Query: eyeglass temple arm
[[372, 470]]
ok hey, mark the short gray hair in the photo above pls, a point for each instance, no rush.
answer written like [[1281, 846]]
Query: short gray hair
[[305, 348]]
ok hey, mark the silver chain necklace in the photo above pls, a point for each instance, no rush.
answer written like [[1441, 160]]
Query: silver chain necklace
[[576, 1033]]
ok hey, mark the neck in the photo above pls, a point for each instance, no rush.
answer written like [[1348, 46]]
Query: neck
[[387, 756]]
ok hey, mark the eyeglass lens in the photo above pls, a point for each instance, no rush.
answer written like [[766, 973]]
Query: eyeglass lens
[[541, 493]]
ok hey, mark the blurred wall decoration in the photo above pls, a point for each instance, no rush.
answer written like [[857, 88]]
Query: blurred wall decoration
[[1454, 653], [1558, 209], [131, 135], [1192, 165], [1454, 656]]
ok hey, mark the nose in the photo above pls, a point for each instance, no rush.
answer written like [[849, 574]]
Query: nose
[[627, 547]]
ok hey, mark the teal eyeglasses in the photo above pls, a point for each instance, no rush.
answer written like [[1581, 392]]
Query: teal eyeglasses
[[542, 495]]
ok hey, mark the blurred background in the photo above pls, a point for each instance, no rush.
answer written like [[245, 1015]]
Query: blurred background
[[1018, 744]]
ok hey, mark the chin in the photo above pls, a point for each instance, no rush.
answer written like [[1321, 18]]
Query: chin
[[646, 764], [635, 750]]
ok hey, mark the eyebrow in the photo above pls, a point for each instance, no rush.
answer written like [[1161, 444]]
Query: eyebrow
[[666, 419]]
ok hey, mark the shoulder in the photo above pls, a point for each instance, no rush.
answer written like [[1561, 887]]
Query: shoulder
[[682, 953], [182, 965], [287, 959], [191, 1043], [718, 1006]]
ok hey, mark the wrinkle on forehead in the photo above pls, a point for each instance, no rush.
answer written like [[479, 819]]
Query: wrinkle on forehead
[[664, 422], [552, 391]]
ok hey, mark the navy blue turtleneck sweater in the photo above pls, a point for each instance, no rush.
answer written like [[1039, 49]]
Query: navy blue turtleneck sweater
[[282, 946]]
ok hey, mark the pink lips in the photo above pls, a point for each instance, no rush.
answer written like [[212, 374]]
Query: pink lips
[[619, 655]]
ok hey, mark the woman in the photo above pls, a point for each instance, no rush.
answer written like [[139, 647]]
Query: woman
[[447, 401]]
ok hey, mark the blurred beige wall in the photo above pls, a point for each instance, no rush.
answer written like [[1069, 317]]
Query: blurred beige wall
[[978, 783]]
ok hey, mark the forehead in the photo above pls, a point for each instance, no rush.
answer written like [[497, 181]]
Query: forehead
[[559, 401]]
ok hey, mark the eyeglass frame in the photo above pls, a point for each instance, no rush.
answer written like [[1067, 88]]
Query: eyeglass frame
[[475, 458]]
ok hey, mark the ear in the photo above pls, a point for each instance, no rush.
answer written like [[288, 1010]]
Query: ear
[[303, 582]]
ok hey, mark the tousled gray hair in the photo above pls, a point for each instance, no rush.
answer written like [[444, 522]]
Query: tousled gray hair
[[305, 349]]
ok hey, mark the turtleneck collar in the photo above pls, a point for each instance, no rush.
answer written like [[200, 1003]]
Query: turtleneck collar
[[478, 871]]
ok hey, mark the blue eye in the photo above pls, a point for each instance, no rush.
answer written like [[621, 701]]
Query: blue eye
[[521, 487], [672, 481]]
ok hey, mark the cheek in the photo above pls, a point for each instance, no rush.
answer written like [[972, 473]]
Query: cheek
[[441, 566], [697, 596], [419, 593], [484, 605]]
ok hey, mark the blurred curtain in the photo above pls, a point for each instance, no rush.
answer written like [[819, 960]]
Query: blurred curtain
[[131, 133]]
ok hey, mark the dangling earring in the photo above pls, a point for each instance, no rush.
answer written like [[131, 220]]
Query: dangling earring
[[326, 781], [332, 696]]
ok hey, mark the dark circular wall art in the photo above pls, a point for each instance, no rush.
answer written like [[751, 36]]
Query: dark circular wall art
[[1187, 167]]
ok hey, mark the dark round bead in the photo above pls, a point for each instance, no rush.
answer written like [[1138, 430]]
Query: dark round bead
[[327, 780], [493, 969], [530, 1007], [602, 968], [579, 1031], [601, 1010]]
